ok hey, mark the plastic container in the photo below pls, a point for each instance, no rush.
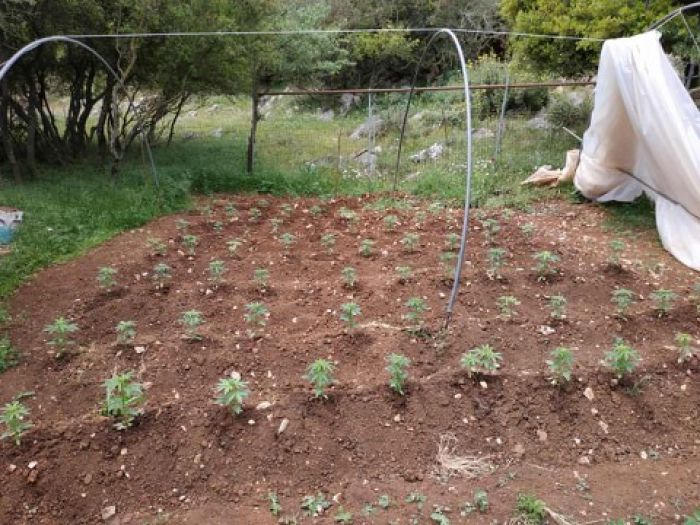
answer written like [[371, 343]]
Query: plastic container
[[9, 221]]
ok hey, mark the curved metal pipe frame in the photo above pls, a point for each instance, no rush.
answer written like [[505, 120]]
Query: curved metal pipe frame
[[40, 42], [469, 165], [673, 14]]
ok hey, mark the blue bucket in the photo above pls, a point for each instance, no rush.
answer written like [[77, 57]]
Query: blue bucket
[[7, 233], [9, 221]]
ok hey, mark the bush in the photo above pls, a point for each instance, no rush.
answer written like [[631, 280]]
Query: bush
[[566, 112]]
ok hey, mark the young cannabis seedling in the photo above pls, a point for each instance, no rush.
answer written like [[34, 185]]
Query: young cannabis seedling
[[233, 246], [9, 356], [262, 203], [315, 210], [545, 261], [348, 215], [420, 217], [162, 274], [436, 207], [481, 360], [320, 375], [506, 306], [343, 516], [683, 342], [254, 214], [232, 391], [447, 259], [157, 247], [452, 241], [438, 516], [286, 209], [349, 276], [275, 506], [261, 276], [287, 240], [416, 308], [405, 273], [623, 299], [192, 320], [480, 503], [14, 416], [561, 365], [190, 243], [390, 222], [276, 223], [396, 366], [218, 227], [496, 257], [410, 242], [328, 242], [60, 329], [622, 359], [531, 510], [126, 332], [695, 296], [366, 247], [230, 211], [616, 246], [663, 301], [348, 313], [182, 226], [106, 278], [217, 269], [256, 314], [492, 227], [528, 230], [315, 505], [557, 306], [384, 501], [123, 398]]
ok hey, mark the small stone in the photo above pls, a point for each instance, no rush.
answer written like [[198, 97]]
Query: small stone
[[124, 452], [33, 475], [519, 449], [684, 387], [458, 396], [32, 465], [140, 349], [584, 460], [11, 468], [264, 405], [87, 479], [643, 454], [542, 435], [483, 385], [588, 394], [283, 426], [235, 375], [604, 426], [251, 422], [109, 512], [397, 418]]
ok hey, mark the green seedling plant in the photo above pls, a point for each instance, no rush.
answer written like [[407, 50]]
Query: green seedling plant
[[206, 211], [348, 215], [233, 246], [506, 306], [218, 227], [616, 247], [436, 207], [391, 222], [60, 329], [438, 516], [349, 275], [126, 332], [157, 247], [190, 243], [405, 273], [287, 240], [9, 356], [683, 342], [693, 519], [480, 503], [410, 242], [557, 307], [528, 230], [348, 313], [230, 211], [623, 299], [545, 261], [447, 259], [256, 314], [417, 498], [452, 242], [162, 274], [416, 307], [106, 278], [320, 375], [481, 360], [14, 417], [328, 242], [663, 301], [343, 516], [274, 501], [622, 358], [496, 258], [366, 247], [192, 320], [262, 203], [286, 210], [254, 214], [396, 366], [182, 225], [531, 510], [123, 398], [217, 269], [232, 391], [315, 505], [276, 223], [316, 210], [695, 296], [420, 217], [492, 227], [261, 277], [384, 501], [561, 365]]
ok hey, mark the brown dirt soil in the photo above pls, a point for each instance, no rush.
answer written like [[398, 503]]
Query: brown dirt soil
[[631, 449]]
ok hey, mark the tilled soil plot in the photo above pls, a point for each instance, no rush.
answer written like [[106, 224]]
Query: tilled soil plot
[[593, 450]]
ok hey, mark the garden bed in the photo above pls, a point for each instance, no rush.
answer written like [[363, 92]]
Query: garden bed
[[595, 449]]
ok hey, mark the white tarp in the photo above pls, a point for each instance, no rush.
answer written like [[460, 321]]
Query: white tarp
[[645, 123]]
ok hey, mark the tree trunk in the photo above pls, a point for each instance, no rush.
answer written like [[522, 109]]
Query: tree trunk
[[183, 99], [255, 118], [5, 131], [32, 128]]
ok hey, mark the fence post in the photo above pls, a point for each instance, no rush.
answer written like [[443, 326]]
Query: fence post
[[501, 120], [370, 134]]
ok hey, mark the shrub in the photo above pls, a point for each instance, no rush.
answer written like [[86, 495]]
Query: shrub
[[623, 299], [190, 243], [9, 356], [564, 112], [695, 296], [216, 271], [663, 301], [157, 247], [105, 277], [622, 359], [232, 391], [348, 313], [410, 241], [544, 264], [561, 365], [162, 275], [481, 500], [14, 416], [122, 399], [557, 305], [349, 276], [397, 365], [126, 332], [366, 247], [683, 342], [320, 375], [481, 360], [496, 258], [275, 506], [328, 241], [506, 306], [60, 329], [343, 516], [192, 320]]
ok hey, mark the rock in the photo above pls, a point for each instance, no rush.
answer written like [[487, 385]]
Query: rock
[[87, 479], [283, 426], [217, 133], [434, 152], [397, 418], [251, 422], [140, 349], [373, 125], [519, 449], [542, 435], [327, 115], [546, 330], [348, 101], [11, 468], [33, 476], [604, 426], [588, 394], [584, 460], [32, 465], [264, 405], [538, 122], [109, 512], [367, 159]]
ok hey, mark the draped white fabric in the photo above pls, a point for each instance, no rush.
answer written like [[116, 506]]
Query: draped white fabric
[[645, 123]]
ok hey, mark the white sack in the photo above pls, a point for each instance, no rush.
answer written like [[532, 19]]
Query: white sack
[[644, 122]]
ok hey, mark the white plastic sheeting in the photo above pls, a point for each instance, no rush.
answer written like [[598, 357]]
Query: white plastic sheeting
[[645, 124]]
